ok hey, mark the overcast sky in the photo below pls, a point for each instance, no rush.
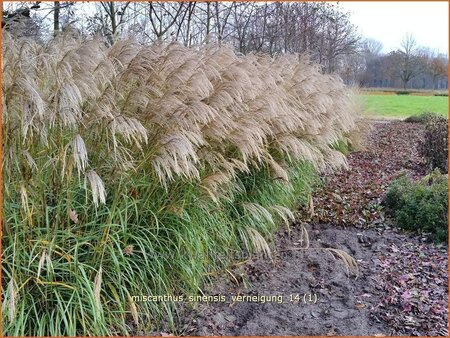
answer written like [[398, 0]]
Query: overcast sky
[[389, 21]]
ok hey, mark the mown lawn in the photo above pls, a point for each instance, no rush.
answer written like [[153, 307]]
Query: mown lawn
[[401, 106]]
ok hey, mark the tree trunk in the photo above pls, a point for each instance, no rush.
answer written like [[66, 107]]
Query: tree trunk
[[208, 20], [112, 14], [56, 18]]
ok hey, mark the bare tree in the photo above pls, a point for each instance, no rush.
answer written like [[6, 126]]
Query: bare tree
[[116, 17], [242, 14], [408, 60], [321, 30], [438, 69], [190, 11], [371, 47], [164, 15], [221, 15], [56, 12]]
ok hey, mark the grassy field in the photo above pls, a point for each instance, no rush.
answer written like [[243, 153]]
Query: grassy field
[[400, 106], [393, 91]]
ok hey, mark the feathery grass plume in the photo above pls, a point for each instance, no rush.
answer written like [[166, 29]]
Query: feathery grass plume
[[213, 185], [258, 212], [279, 172], [30, 160], [130, 128], [33, 105], [176, 156], [97, 187], [259, 243], [355, 136], [12, 296], [304, 237], [45, 259], [98, 287], [24, 198], [42, 260], [69, 100], [133, 310], [73, 216], [310, 206], [284, 213], [350, 263], [80, 155]]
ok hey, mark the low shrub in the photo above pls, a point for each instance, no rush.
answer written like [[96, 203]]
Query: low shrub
[[403, 92], [420, 205], [441, 94], [421, 118], [435, 143]]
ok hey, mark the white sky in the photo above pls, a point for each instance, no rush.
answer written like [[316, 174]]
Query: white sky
[[389, 21]]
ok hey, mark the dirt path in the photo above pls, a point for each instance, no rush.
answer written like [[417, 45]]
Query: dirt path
[[399, 288]]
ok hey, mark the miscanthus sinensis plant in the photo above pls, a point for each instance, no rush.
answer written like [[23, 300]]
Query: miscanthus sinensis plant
[[139, 170]]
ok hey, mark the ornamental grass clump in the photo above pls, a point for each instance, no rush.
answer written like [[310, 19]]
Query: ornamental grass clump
[[138, 170]]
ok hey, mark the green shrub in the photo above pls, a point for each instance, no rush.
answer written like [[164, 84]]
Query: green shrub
[[421, 118], [403, 92], [434, 146], [441, 94], [420, 206]]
